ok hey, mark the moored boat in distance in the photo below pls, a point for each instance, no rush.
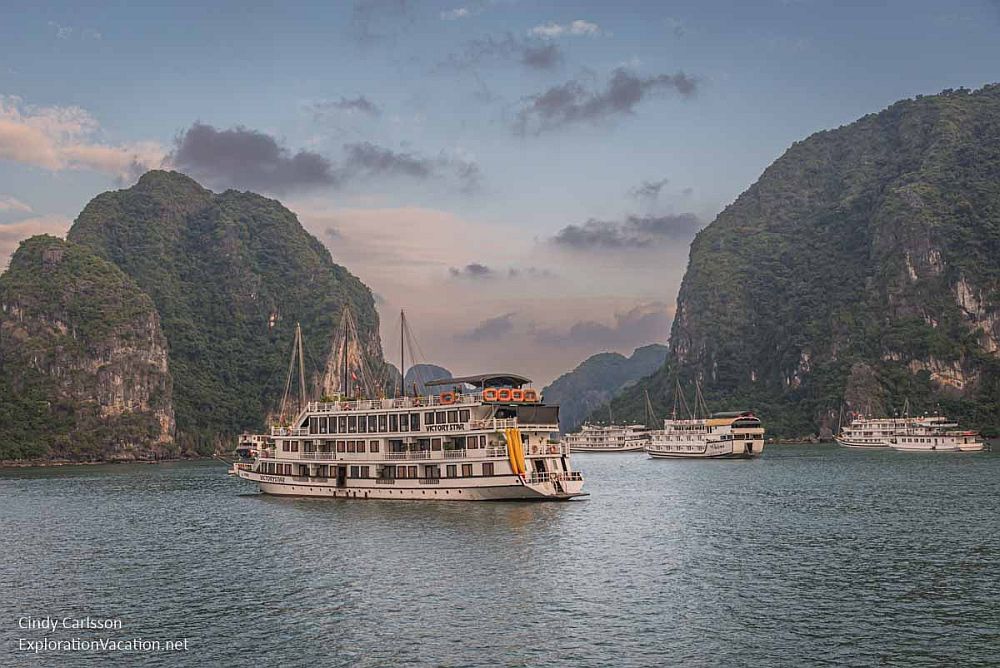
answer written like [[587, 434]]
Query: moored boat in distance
[[909, 434], [936, 434], [724, 435], [608, 438]]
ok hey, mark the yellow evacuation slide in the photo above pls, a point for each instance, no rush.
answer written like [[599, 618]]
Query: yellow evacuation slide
[[515, 451]]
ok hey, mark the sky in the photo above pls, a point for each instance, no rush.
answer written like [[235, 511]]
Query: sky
[[524, 178]]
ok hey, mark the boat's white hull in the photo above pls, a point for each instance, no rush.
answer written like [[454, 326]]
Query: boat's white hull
[[496, 488], [925, 448], [866, 445], [629, 448], [710, 450]]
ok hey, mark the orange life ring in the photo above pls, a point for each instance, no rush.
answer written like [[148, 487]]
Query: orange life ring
[[490, 394], [503, 394], [530, 395], [517, 395], [446, 398]]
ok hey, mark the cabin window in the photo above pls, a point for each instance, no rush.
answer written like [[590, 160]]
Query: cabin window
[[284, 446], [428, 418], [439, 417], [464, 415], [341, 446], [401, 472], [488, 468], [451, 470], [466, 470], [382, 424], [372, 424], [361, 446], [352, 424], [351, 447], [363, 471], [415, 421], [322, 425], [413, 471], [432, 472], [393, 422], [452, 416], [388, 472], [313, 426], [362, 424], [295, 446], [354, 472], [372, 446], [404, 422], [460, 442], [435, 444], [342, 424], [331, 425]]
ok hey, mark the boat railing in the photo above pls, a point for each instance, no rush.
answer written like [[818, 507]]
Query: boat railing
[[432, 400], [429, 481], [289, 431], [538, 477], [414, 454]]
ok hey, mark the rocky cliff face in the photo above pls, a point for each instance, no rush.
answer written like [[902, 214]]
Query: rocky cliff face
[[596, 380], [83, 363], [230, 274], [862, 265]]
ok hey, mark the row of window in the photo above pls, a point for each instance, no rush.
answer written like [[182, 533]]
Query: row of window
[[435, 444], [384, 422], [398, 471]]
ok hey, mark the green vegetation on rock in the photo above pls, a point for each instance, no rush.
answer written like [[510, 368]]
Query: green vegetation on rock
[[596, 380], [83, 365], [861, 266], [230, 275]]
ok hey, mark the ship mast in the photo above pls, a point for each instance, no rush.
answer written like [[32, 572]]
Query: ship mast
[[402, 352], [302, 367]]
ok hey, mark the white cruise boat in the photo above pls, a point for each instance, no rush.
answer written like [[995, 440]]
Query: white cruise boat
[[608, 438], [481, 438], [870, 433], [485, 437], [729, 435], [936, 434]]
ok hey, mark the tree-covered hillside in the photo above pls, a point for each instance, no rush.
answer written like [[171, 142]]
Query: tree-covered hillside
[[230, 275]]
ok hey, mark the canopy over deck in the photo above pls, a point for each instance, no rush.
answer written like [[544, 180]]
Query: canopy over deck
[[483, 380]]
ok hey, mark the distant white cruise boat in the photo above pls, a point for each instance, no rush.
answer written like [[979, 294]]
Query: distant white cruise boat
[[608, 438], [911, 434], [936, 434], [727, 435]]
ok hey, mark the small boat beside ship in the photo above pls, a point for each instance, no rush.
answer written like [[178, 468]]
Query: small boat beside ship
[[608, 438]]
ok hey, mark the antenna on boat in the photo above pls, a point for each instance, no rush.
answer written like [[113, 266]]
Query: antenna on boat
[[402, 352], [298, 355], [650, 417]]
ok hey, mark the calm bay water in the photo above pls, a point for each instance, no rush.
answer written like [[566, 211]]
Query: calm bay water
[[812, 555]]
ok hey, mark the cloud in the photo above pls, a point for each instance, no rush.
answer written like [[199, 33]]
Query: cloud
[[479, 271], [473, 270], [12, 234], [13, 205], [578, 27], [490, 329], [60, 138], [457, 13], [648, 190], [245, 158], [633, 232], [571, 102], [360, 104], [532, 53], [368, 159], [645, 323]]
